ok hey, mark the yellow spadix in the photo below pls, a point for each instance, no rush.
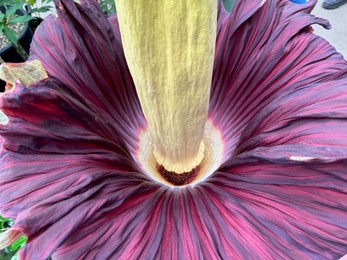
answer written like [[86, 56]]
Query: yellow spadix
[[169, 47]]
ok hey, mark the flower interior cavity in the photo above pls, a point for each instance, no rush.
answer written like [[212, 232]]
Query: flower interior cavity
[[212, 159]]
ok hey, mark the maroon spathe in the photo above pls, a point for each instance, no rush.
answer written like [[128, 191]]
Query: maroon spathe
[[68, 172]]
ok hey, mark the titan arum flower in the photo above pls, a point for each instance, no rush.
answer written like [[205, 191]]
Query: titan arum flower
[[212, 136]]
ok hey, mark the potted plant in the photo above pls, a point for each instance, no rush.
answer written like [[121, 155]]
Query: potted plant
[[17, 27]]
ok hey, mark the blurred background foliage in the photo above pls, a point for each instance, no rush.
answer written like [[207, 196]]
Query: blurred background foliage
[[108, 7]]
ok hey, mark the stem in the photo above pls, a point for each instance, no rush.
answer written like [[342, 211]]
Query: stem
[[20, 50], [18, 47]]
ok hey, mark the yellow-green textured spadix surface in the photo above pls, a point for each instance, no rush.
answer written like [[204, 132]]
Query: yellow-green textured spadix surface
[[169, 47]]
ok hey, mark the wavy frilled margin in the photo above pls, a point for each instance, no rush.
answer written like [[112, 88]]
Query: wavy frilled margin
[[68, 173]]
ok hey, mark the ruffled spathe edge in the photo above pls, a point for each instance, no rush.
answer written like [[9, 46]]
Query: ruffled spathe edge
[[261, 57], [82, 48]]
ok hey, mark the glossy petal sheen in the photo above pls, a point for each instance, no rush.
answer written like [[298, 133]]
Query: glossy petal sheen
[[69, 172]]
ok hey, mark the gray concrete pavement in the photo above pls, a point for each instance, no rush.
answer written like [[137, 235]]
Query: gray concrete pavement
[[337, 36]]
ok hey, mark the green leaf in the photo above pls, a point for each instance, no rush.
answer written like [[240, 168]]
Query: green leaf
[[18, 244], [42, 9], [20, 19], [5, 223], [13, 8], [31, 2], [2, 219], [8, 2], [10, 35]]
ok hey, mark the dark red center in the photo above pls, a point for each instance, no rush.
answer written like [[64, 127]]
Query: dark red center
[[178, 179]]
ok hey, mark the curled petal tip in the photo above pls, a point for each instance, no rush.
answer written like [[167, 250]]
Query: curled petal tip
[[9, 237], [27, 73]]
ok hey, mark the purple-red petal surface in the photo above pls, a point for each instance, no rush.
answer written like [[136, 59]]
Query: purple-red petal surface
[[69, 177]]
